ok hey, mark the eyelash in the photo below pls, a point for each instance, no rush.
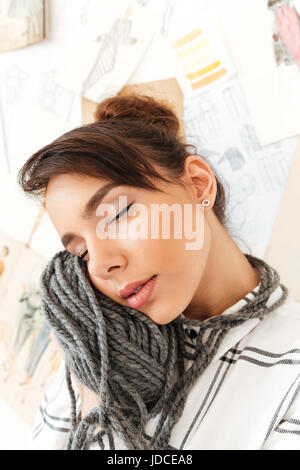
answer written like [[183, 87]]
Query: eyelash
[[122, 211], [117, 217]]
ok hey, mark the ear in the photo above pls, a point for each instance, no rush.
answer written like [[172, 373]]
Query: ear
[[200, 178]]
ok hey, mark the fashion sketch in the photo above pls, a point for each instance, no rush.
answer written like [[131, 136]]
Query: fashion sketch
[[29, 319], [117, 36], [27, 9], [285, 31]]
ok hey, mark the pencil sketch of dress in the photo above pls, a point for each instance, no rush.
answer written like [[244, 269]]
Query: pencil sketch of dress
[[283, 54], [26, 9], [118, 35], [29, 316]]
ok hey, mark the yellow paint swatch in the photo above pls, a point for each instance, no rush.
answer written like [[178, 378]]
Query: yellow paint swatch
[[187, 38], [207, 80], [196, 47], [199, 73], [199, 61]]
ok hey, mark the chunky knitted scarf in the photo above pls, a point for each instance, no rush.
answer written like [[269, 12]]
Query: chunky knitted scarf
[[128, 360]]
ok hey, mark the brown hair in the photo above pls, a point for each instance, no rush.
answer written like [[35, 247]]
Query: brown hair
[[129, 134]]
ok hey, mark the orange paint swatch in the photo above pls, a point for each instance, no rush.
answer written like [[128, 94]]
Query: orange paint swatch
[[186, 39], [199, 73], [209, 79]]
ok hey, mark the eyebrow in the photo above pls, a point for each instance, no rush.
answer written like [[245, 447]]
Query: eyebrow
[[89, 207]]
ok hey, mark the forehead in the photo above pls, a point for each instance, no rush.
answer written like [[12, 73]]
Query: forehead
[[67, 194], [70, 184]]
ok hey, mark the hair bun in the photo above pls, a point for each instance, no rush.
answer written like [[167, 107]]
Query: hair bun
[[139, 108]]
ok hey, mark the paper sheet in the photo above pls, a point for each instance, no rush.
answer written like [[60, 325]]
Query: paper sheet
[[269, 73], [29, 356], [220, 124], [202, 59], [22, 23], [34, 106], [107, 62]]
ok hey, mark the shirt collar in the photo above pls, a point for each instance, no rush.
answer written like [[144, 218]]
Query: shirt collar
[[235, 334]]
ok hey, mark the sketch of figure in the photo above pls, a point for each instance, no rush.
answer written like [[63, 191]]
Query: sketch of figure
[[29, 315], [285, 31], [26, 9], [3, 254], [234, 103], [118, 35], [38, 347], [234, 157], [29, 319], [249, 139], [211, 119]]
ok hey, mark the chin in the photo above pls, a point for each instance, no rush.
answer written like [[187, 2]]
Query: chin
[[161, 319]]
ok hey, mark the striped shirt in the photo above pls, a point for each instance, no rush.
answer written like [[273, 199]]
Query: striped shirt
[[247, 398]]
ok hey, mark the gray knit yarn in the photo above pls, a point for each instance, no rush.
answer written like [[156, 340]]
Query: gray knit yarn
[[129, 360]]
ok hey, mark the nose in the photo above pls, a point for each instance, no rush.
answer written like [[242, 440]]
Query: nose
[[104, 258]]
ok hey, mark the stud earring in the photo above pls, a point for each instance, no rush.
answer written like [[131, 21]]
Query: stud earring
[[205, 202]]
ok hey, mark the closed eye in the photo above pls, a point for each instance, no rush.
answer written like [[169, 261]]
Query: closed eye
[[117, 217], [122, 212]]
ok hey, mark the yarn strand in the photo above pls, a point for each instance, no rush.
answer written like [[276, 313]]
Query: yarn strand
[[135, 366]]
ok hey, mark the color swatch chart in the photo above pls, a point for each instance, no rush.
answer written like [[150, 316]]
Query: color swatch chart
[[202, 59]]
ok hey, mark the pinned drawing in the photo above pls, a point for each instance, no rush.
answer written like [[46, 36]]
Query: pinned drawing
[[28, 9], [118, 38], [28, 320], [286, 31], [119, 35], [254, 172], [29, 355], [22, 22]]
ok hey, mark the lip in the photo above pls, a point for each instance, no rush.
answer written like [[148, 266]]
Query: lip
[[136, 301], [130, 288]]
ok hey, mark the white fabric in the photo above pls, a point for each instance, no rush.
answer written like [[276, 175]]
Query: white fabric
[[247, 398]]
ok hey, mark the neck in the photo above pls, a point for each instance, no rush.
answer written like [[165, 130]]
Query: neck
[[228, 276]]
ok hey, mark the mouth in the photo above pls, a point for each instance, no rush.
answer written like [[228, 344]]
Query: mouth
[[142, 293]]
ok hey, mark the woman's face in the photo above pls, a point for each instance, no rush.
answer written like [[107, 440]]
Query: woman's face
[[113, 263]]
